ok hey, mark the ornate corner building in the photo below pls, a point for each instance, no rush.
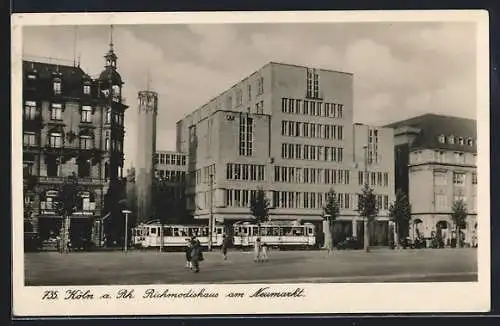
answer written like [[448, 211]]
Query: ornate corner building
[[73, 125]]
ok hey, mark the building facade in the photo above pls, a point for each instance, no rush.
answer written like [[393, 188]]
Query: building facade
[[146, 145], [72, 126], [170, 179], [288, 130], [436, 166]]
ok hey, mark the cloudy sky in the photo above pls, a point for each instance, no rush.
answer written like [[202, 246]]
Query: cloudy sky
[[400, 69]]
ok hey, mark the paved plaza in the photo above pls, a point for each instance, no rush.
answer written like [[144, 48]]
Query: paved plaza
[[152, 267]]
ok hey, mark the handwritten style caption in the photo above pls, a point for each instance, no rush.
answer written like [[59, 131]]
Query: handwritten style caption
[[152, 293]]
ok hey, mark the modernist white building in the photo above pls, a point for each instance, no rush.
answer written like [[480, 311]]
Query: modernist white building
[[289, 130]]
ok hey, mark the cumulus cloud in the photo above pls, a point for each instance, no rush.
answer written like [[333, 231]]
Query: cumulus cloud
[[400, 69]]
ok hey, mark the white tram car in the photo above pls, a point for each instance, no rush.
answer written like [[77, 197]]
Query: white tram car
[[148, 235], [289, 236]]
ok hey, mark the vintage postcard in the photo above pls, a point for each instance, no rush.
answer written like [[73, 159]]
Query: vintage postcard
[[250, 163]]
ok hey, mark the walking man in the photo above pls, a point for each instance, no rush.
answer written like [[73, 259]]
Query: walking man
[[196, 255]]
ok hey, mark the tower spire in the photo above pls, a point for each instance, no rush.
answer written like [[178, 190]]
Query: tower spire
[[111, 38], [75, 40]]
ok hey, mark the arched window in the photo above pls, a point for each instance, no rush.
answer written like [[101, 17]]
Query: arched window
[[56, 83], [107, 115], [442, 139], [451, 140]]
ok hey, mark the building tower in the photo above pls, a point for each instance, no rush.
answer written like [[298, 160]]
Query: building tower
[[146, 148]]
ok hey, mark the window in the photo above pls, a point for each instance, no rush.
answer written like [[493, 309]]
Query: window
[[56, 112], [386, 179], [474, 178], [441, 201], [459, 158], [458, 178], [440, 179], [30, 110], [249, 93], [461, 141], [57, 86], [451, 140], [86, 115], [85, 142], [470, 142], [27, 169], [183, 160], [84, 168], [439, 156], [246, 136], [107, 115], [116, 93], [442, 139], [106, 144], [55, 139], [260, 85], [86, 89], [29, 139], [360, 177], [239, 97]]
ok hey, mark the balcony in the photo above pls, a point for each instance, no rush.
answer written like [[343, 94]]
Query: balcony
[[81, 181]]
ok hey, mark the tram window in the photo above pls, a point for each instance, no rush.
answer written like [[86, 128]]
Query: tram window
[[176, 232], [153, 231], [298, 231], [219, 231], [287, 231], [264, 231], [276, 231], [310, 231], [245, 230]]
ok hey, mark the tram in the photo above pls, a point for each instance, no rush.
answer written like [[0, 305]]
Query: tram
[[291, 235], [148, 235]]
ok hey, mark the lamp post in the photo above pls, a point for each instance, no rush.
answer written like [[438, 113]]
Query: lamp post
[[126, 212], [365, 220], [210, 217]]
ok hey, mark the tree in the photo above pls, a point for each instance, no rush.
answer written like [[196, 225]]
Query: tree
[[400, 213], [66, 204], [331, 212], [459, 217], [368, 209], [259, 206]]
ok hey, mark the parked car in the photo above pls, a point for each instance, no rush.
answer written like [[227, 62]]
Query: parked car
[[350, 243]]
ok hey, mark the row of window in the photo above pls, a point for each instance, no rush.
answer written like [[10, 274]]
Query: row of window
[[373, 154], [172, 159], [312, 152], [456, 140], [56, 113], [290, 174], [247, 172], [53, 167], [202, 175], [380, 179], [442, 203], [441, 157], [173, 176], [312, 108], [311, 130], [239, 94], [441, 179], [55, 140], [86, 87], [289, 199]]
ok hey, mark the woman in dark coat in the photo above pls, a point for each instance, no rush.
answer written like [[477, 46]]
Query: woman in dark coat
[[187, 250], [196, 255]]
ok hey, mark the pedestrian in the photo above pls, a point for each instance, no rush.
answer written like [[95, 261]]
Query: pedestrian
[[225, 244], [256, 250], [264, 251], [196, 255], [187, 250]]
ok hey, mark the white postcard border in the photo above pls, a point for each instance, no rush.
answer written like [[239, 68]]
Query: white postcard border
[[318, 298]]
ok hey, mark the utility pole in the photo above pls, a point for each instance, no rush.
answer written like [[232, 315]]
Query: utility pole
[[126, 212], [210, 217]]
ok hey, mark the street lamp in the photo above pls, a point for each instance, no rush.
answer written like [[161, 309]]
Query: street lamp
[[210, 218], [126, 212], [365, 220]]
